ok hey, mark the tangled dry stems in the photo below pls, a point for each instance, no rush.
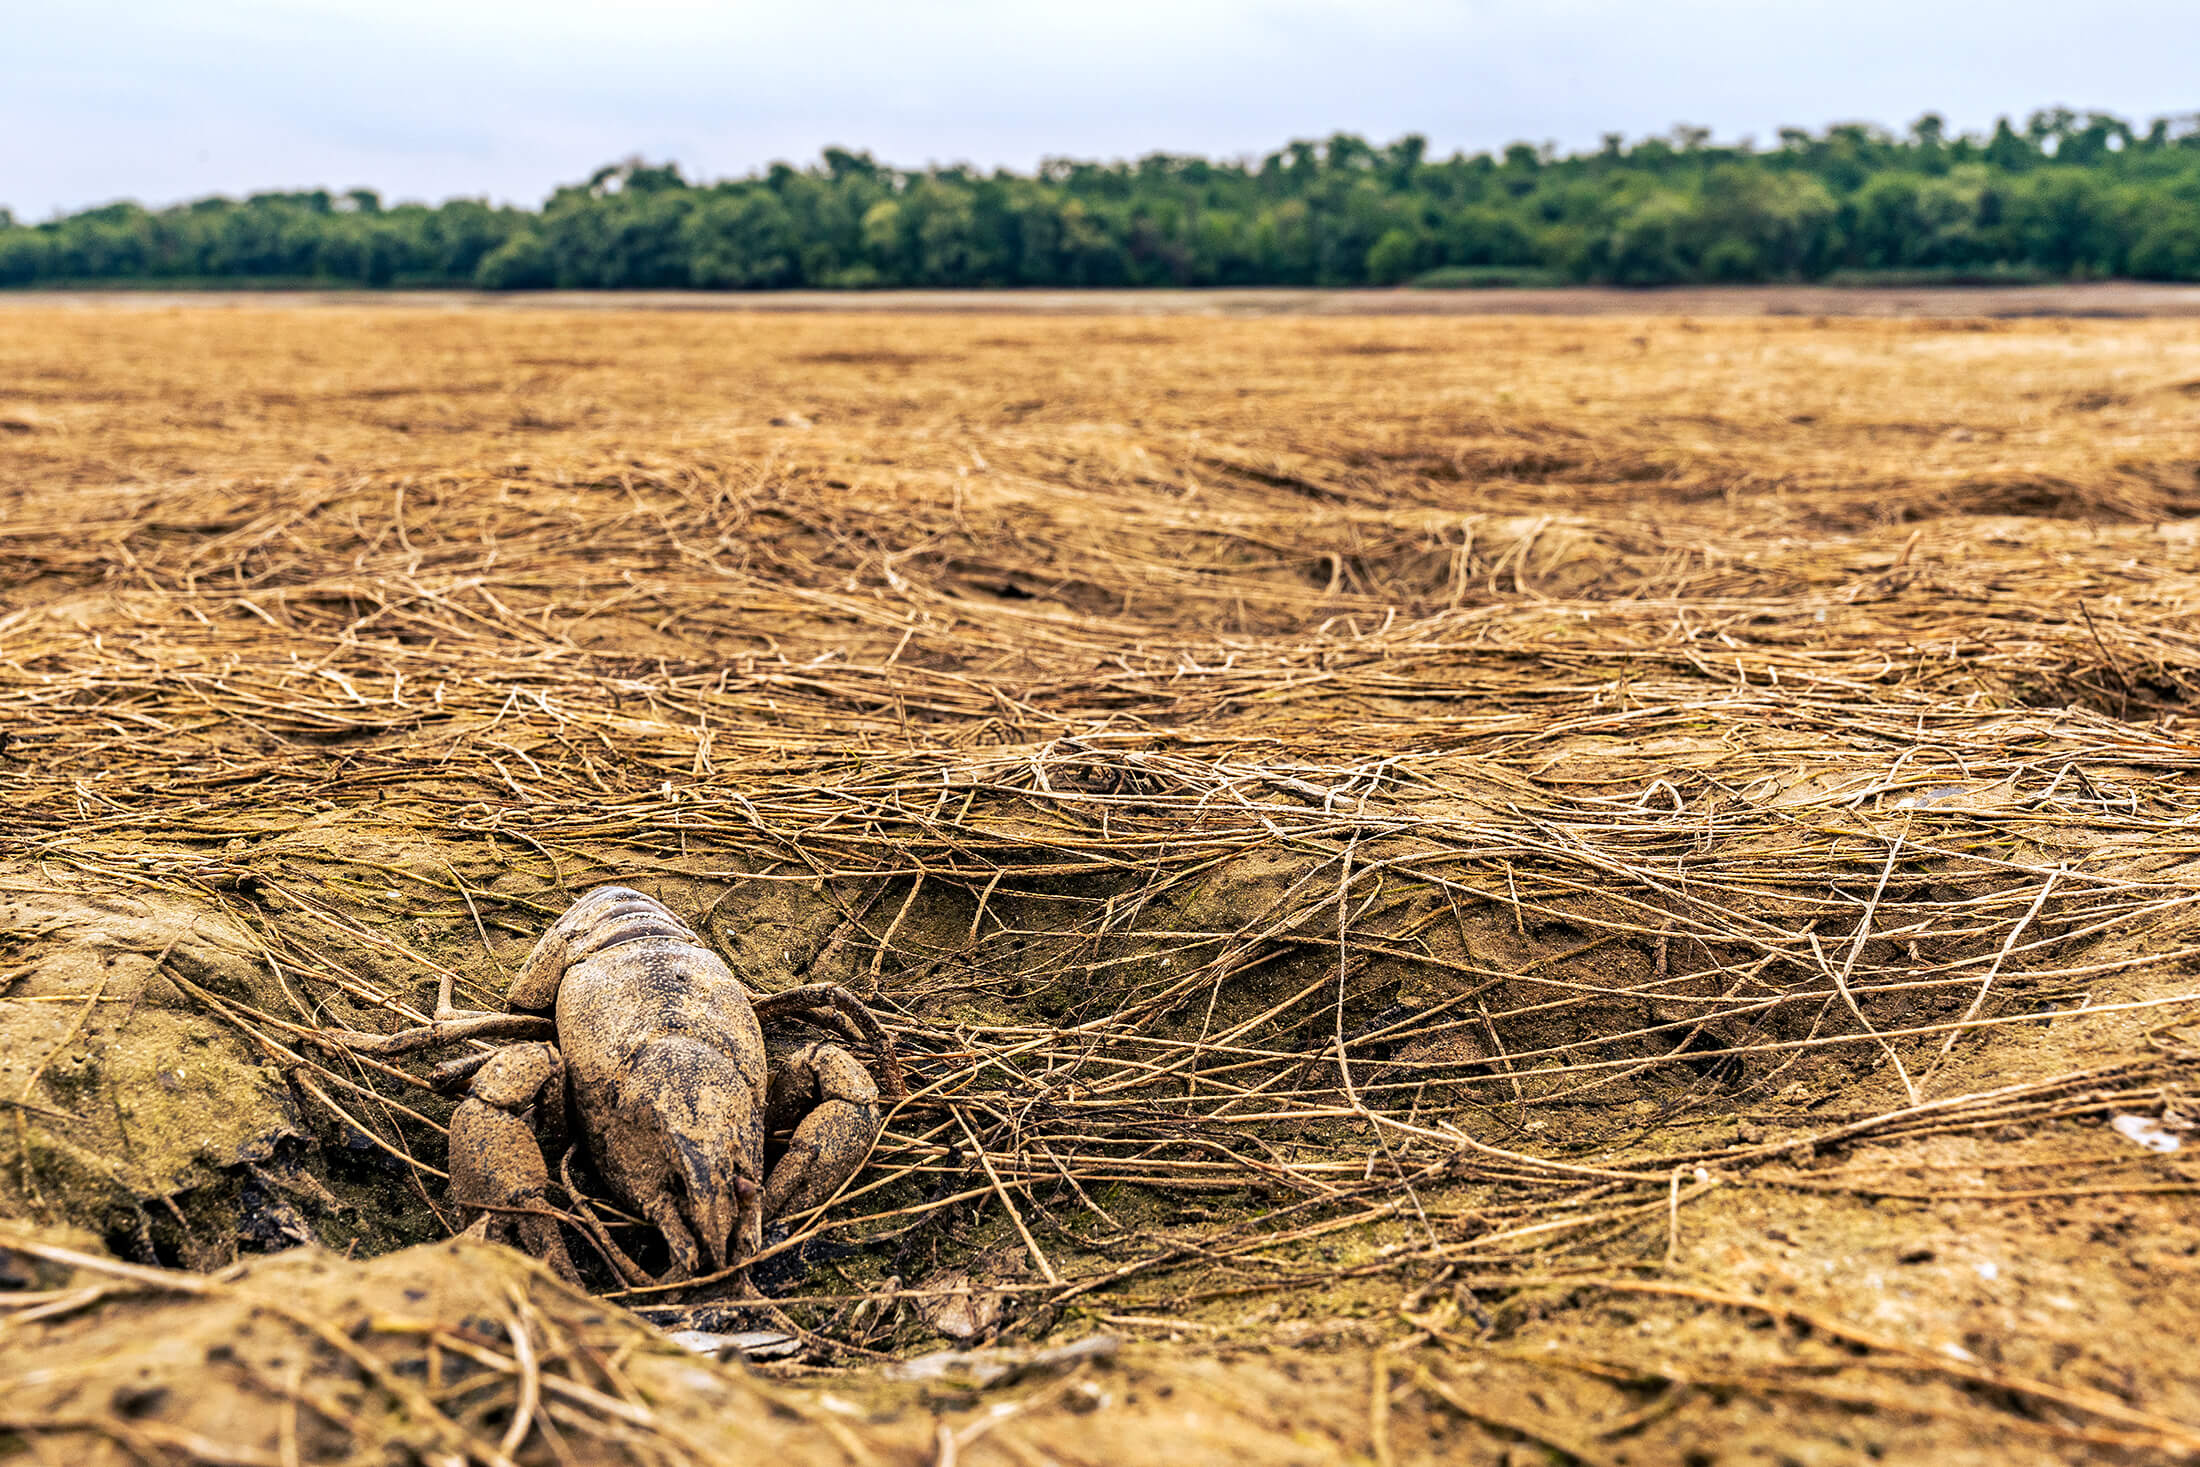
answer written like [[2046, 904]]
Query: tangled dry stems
[[1386, 823]]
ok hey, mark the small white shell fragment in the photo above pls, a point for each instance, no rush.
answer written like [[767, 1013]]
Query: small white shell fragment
[[2155, 1135], [762, 1344], [983, 1368]]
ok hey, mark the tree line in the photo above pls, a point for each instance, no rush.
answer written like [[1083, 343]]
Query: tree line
[[2067, 195]]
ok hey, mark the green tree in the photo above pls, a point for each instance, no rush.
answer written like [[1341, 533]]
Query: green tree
[[1647, 247], [741, 240], [2168, 250], [1394, 258], [522, 262]]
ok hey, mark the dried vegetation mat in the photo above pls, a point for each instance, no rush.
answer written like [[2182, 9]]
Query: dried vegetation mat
[[1614, 891]]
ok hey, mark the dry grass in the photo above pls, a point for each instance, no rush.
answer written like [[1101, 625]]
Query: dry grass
[[1326, 805]]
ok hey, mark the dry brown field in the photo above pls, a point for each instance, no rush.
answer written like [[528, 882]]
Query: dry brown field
[[1491, 890]]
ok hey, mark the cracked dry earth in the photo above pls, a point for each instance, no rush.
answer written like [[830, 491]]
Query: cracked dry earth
[[1617, 890]]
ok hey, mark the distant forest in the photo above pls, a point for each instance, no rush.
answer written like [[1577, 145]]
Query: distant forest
[[2066, 196]]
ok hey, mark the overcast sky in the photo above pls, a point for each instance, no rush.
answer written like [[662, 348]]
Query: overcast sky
[[107, 99]]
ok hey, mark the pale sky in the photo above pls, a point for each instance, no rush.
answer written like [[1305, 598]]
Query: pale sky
[[426, 99]]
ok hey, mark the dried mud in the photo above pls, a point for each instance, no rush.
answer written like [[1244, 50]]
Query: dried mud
[[1474, 890]]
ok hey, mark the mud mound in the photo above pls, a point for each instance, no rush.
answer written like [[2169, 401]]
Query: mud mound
[[465, 1352], [128, 1090], [459, 1352]]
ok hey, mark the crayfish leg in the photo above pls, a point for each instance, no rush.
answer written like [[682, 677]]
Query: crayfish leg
[[497, 1166], [833, 1139]]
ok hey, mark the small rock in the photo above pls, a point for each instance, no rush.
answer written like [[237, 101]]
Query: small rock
[[957, 1307], [2162, 1135]]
